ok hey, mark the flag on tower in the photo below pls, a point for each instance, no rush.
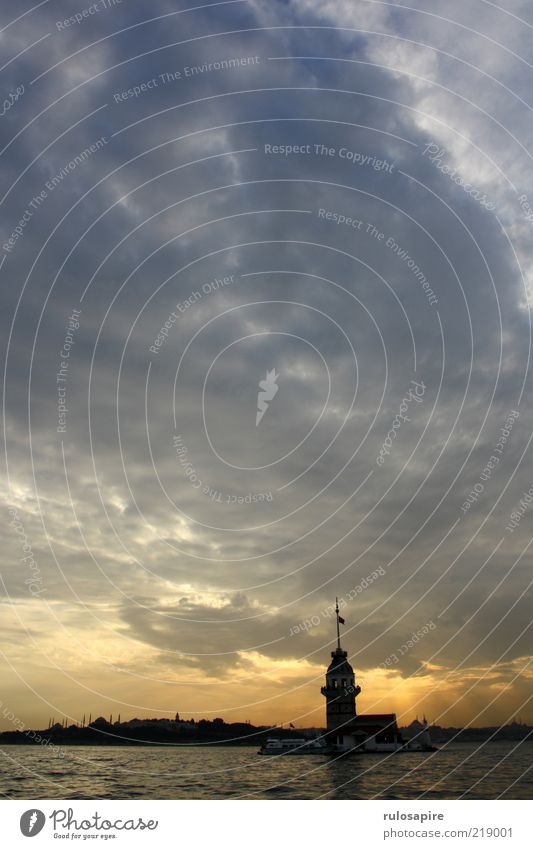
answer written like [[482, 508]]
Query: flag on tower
[[341, 620]]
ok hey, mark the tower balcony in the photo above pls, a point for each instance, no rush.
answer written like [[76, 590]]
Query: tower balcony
[[340, 692]]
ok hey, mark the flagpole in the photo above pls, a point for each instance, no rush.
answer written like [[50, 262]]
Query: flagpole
[[338, 631]]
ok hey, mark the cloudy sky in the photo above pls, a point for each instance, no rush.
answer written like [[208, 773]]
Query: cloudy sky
[[333, 199]]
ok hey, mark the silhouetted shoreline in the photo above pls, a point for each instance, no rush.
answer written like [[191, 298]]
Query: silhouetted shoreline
[[217, 732]]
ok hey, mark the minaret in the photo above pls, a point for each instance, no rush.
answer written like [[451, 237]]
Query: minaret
[[340, 690]]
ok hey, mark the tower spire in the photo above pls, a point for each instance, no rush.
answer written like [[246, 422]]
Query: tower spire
[[340, 690]]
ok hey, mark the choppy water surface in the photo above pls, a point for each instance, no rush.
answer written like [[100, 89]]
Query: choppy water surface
[[473, 771]]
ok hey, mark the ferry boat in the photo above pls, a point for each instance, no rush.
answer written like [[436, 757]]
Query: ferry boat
[[293, 746]]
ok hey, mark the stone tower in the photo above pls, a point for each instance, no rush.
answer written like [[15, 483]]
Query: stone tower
[[340, 690]]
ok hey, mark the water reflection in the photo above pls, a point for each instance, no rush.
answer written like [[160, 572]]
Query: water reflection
[[460, 771]]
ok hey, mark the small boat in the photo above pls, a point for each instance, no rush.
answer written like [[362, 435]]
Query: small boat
[[293, 746]]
